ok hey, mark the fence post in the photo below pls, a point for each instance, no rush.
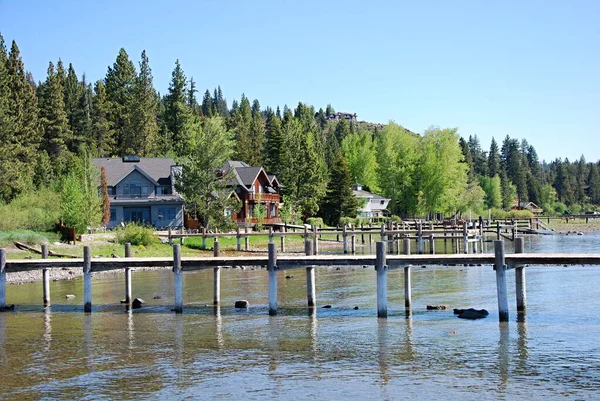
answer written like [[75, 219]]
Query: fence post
[[420, 238], [46, 277], [87, 279], [345, 239], [283, 239], [204, 238], [177, 278], [238, 239], [501, 281], [316, 240], [216, 248], [521, 285], [2, 279], [380, 266], [272, 269], [431, 245], [465, 238]]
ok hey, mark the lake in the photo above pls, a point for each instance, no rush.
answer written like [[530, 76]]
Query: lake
[[337, 353]]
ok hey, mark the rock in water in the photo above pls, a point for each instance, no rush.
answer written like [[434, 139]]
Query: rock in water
[[326, 306], [137, 303], [437, 307], [69, 296], [242, 303], [471, 313]]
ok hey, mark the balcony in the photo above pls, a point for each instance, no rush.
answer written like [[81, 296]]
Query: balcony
[[254, 197]]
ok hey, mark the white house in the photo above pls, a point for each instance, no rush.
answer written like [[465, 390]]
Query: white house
[[371, 205]]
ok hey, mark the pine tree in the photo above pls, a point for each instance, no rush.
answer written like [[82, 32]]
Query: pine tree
[[103, 133], [493, 159], [192, 101], [241, 121], [53, 117], [144, 139], [594, 183], [207, 104], [119, 82], [178, 115], [82, 121], [478, 156], [274, 145], [221, 103], [72, 94], [340, 200], [257, 135], [21, 136]]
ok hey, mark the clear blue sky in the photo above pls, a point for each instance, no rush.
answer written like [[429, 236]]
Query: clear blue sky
[[525, 69]]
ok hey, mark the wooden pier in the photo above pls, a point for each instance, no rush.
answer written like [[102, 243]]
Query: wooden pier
[[382, 263]]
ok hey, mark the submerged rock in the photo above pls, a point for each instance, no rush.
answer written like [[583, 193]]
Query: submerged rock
[[69, 296], [326, 306], [437, 307], [471, 313], [241, 304], [137, 303]]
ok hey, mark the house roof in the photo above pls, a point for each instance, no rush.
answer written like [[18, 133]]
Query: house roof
[[366, 194], [156, 169]]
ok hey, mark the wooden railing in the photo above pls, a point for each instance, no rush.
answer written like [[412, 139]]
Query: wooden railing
[[263, 197]]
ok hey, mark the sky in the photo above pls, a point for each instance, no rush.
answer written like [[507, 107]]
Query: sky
[[529, 70]]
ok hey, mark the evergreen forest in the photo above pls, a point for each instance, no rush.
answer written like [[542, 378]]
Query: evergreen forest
[[51, 126]]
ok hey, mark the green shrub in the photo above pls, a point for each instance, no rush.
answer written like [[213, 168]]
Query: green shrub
[[136, 234], [315, 221], [520, 214], [35, 210]]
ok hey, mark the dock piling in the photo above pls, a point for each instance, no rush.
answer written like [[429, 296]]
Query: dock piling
[[177, 278], [407, 283], [46, 277], [520, 282], [128, 297], [381, 268], [272, 269], [500, 267], [311, 292], [87, 279]]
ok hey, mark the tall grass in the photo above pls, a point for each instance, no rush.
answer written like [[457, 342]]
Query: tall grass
[[36, 210], [26, 236]]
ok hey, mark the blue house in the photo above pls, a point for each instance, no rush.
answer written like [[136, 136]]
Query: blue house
[[142, 190]]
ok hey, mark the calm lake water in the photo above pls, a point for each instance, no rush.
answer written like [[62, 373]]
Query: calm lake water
[[339, 353]]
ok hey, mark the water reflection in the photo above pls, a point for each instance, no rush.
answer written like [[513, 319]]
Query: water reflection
[[130, 330], [503, 356], [383, 349], [273, 343], [219, 327], [47, 328]]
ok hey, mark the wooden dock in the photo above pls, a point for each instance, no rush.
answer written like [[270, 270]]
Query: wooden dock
[[382, 263]]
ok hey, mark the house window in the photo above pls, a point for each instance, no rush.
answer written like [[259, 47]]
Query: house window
[[113, 214], [135, 188], [163, 190], [272, 214], [166, 213], [382, 202]]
